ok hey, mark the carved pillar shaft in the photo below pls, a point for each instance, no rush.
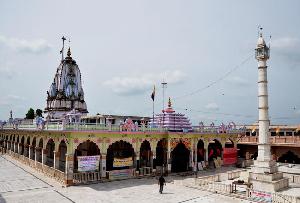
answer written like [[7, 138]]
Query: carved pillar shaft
[[103, 165], [56, 160], [69, 169]]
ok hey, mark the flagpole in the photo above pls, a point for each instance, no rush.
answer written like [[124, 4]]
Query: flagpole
[[153, 113]]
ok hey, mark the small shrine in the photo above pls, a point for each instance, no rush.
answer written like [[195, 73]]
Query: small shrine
[[171, 120]]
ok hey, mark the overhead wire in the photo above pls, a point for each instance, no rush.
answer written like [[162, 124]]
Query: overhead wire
[[216, 81]]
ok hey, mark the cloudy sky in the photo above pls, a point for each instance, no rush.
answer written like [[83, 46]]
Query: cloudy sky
[[204, 50]]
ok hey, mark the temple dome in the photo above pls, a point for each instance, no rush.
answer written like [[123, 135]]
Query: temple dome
[[260, 42]]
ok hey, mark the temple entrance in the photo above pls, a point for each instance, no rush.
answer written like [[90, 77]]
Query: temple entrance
[[62, 150], [32, 149], [145, 154], [118, 151], [50, 147], [180, 158], [87, 148], [161, 155]]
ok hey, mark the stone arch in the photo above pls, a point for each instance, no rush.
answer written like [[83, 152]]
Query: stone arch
[[86, 148], [229, 143], [9, 142], [214, 150], [200, 151], [22, 145], [62, 151], [32, 149], [50, 147], [27, 144], [180, 157], [145, 154], [13, 144], [39, 148], [289, 157], [119, 150], [161, 155]]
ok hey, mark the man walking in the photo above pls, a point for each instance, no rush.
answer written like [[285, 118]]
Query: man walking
[[161, 183]]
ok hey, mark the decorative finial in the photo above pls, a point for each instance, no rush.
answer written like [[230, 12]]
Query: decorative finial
[[63, 47], [69, 52], [260, 32], [169, 103]]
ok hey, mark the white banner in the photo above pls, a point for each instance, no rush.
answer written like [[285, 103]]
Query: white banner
[[88, 163]]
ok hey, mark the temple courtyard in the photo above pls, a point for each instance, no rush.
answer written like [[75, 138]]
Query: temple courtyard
[[20, 183]]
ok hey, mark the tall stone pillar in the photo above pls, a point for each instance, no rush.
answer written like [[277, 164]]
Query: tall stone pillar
[[151, 159], [264, 175], [103, 165], [29, 151], [69, 169], [44, 156], [135, 160], [35, 155], [18, 148], [56, 160], [169, 161], [195, 159]]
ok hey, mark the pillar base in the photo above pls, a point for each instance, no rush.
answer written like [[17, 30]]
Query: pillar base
[[264, 167], [264, 176], [69, 182]]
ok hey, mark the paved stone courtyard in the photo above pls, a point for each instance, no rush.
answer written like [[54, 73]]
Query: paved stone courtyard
[[19, 183]]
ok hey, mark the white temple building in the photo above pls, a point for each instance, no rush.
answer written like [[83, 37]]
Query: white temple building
[[66, 92], [171, 121]]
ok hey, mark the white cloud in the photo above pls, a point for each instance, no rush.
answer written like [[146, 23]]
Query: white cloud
[[237, 80], [298, 112], [20, 45], [288, 48], [135, 85], [212, 106], [6, 73], [285, 43], [11, 100]]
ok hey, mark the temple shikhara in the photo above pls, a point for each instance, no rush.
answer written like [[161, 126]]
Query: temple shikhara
[[66, 92]]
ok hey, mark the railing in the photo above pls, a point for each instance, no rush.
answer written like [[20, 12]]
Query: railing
[[49, 171], [234, 174], [281, 198], [212, 178], [117, 128], [273, 139], [213, 186], [85, 177]]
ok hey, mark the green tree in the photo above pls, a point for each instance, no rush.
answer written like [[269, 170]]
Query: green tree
[[30, 114], [39, 112]]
